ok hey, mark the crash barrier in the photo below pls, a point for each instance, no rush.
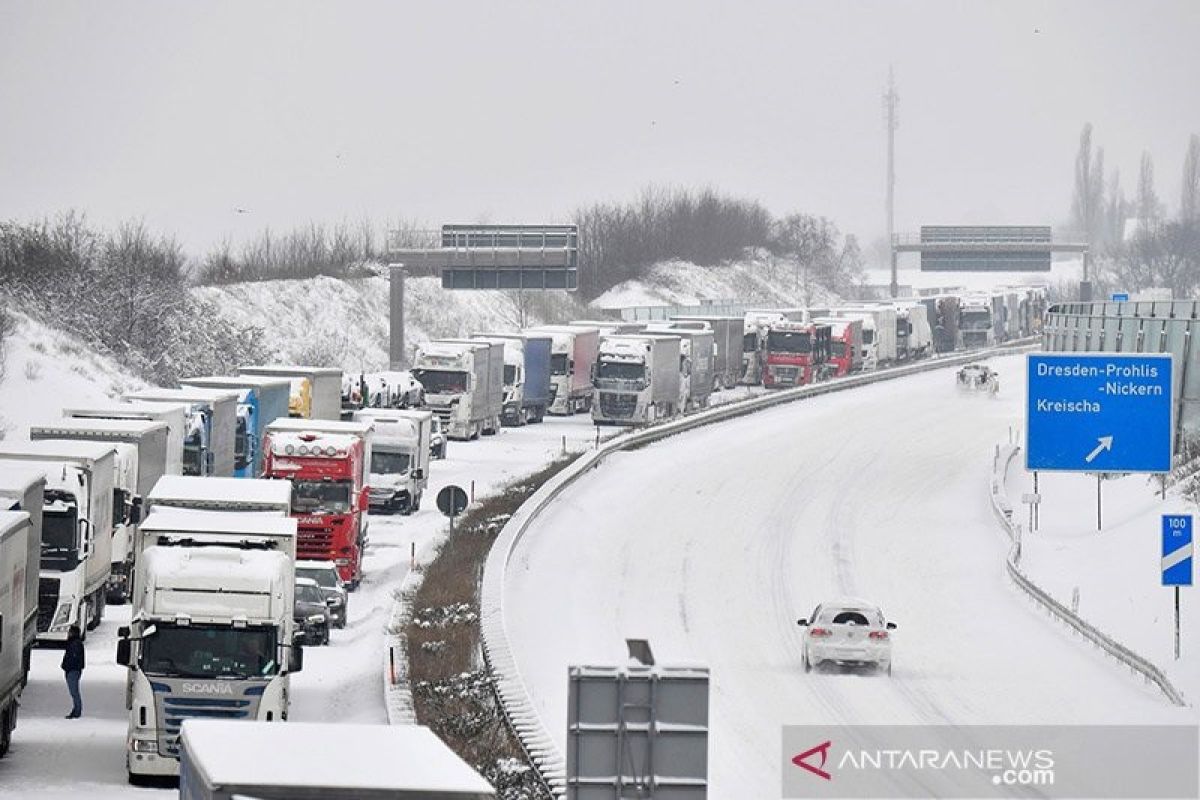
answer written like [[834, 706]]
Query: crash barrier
[[518, 709], [1004, 513]]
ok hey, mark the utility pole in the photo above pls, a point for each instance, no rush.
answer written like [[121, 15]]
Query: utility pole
[[890, 100]]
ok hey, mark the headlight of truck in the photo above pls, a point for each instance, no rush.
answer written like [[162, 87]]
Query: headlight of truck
[[145, 746], [315, 618], [62, 616]]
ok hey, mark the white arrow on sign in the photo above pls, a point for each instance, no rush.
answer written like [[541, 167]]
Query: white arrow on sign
[[1105, 444]]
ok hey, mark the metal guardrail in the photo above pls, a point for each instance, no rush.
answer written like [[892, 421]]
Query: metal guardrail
[[1003, 510], [517, 707]]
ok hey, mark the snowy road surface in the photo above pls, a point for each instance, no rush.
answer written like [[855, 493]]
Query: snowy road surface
[[713, 543], [56, 758]]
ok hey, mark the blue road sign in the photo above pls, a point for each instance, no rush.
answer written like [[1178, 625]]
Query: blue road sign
[[1177, 550], [1120, 297], [1098, 412]]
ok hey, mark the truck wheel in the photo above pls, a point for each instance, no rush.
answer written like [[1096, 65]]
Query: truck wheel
[[416, 503]]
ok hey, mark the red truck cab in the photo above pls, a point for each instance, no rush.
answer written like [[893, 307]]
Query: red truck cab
[[795, 354], [845, 355], [328, 464]]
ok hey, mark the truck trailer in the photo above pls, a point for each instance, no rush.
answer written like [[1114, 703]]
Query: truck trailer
[[400, 454], [461, 388], [573, 351], [77, 525], [637, 379], [727, 346], [141, 452], [212, 632], [209, 440], [22, 488], [16, 533], [174, 415], [261, 401], [316, 392], [328, 463], [695, 363], [221, 494], [526, 376]]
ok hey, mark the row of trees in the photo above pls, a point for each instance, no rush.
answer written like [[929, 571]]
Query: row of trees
[[1138, 242], [123, 291]]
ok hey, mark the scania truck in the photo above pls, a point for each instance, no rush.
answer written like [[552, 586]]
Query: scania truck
[[261, 401], [173, 415], [400, 454], [526, 376], [22, 487], [16, 532], [209, 440], [637, 379], [573, 351], [461, 388], [328, 465], [141, 452], [77, 525], [212, 632], [316, 392]]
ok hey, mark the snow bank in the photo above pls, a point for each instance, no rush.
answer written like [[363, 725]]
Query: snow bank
[[47, 369], [761, 279], [344, 323]]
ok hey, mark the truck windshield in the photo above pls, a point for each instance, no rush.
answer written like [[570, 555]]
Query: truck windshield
[[320, 497], [976, 320], [558, 364], [389, 463], [60, 540], [620, 371], [868, 335], [241, 445], [837, 348], [199, 651], [440, 381], [789, 342]]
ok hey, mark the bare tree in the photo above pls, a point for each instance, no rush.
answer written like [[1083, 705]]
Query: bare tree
[[1148, 208], [1088, 200], [1189, 205], [1116, 211]]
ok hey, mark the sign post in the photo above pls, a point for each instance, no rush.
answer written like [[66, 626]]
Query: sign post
[[1177, 552], [1099, 412], [452, 501]]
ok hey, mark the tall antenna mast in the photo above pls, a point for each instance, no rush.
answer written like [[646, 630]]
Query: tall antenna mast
[[890, 101]]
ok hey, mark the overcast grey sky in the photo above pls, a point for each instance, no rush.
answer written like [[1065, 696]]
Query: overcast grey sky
[[182, 113]]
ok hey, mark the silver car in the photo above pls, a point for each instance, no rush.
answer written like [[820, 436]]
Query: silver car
[[332, 589], [847, 632]]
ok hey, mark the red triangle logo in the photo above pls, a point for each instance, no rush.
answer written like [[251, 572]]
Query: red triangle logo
[[817, 770]]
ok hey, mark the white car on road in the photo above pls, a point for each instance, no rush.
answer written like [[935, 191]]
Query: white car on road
[[847, 632]]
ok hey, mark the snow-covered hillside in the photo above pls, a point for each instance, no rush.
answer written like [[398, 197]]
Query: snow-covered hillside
[[761, 279], [47, 369], [344, 323]]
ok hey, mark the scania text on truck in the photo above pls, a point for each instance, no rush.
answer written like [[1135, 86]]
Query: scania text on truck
[[208, 442], [196, 650], [22, 487], [261, 401], [328, 464], [795, 354], [845, 344], [637, 379], [316, 392], [16, 533], [458, 386], [174, 415], [526, 376], [141, 452], [695, 363], [727, 346], [400, 453], [976, 321], [573, 350], [77, 517]]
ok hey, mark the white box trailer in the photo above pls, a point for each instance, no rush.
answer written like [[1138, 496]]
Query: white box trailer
[[573, 351], [22, 488], [16, 531], [879, 332], [77, 525], [223, 760], [316, 391], [727, 345], [695, 363], [174, 415], [211, 436], [400, 456], [141, 452], [221, 494], [495, 382]]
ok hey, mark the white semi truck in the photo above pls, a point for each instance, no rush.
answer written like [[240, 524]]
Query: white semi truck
[[141, 453], [212, 632], [22, 488], [695, 363], [400, 456], [174, 415], [77, 525], [878, 332], [210, 438], [461, 387], [573, 351], [637, 379], [16, 535], [976, 321], [754, 332]]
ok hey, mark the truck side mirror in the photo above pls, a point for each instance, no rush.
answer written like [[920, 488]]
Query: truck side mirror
[[803, 623], [135, 511], [123, 649], [418, 474]]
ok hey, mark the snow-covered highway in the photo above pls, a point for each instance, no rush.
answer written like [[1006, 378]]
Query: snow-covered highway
[[713, 543]]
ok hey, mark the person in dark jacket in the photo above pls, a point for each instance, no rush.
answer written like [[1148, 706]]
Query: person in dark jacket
[[72, 664]]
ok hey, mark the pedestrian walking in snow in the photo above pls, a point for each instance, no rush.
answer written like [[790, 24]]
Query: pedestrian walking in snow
[[72, 664]]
